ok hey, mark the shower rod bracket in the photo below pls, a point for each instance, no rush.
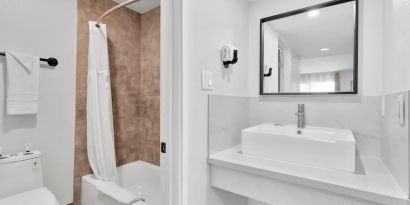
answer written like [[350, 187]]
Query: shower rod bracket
[[112, 10]]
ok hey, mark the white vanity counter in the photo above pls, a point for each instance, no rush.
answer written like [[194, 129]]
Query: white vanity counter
[[258, 178]]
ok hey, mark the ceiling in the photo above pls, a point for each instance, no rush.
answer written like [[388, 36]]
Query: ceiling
[[142, 6], [333, 28]]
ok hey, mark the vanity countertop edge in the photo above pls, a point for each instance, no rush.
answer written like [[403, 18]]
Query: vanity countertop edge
[[375, 184]]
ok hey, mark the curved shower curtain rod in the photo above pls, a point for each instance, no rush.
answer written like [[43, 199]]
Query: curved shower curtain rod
[[114, 9]]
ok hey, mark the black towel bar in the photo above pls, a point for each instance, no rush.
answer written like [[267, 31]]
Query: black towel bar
[[51, 61]]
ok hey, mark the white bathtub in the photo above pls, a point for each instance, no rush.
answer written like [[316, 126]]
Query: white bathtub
[[136, 177]]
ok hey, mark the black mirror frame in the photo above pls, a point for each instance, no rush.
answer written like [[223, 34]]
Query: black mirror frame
[[304, 10]]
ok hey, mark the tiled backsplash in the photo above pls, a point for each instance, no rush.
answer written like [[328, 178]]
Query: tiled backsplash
[[228, 115], [362, 116], [395, 139], [376, 135]]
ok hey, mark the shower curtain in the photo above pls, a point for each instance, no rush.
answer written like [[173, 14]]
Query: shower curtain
[[100, 129]]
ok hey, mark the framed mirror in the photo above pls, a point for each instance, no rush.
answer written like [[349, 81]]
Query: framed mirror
[[313, 50]]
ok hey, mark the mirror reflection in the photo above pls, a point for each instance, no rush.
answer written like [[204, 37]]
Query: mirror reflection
[[310, 52]]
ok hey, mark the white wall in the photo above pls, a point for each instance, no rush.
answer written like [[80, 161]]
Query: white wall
[[396, 28], [45, 28], [207, 26], [396, 79], [370, 48], [370, 36]]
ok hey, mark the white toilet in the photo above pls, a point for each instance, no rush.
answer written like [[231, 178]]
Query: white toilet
[[21, 180]]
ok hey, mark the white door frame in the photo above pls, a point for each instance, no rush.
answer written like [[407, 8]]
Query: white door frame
[[171, 101]]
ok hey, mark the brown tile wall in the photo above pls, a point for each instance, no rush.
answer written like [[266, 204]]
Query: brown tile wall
[[133, 42], [150, 85]]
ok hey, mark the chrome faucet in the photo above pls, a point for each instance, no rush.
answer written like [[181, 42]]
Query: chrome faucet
[[301, 116]]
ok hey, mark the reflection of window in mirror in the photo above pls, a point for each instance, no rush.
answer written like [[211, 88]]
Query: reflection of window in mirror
[[327, 81], [326, 74]]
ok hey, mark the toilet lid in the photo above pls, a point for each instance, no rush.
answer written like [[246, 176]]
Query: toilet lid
[[41, 196]]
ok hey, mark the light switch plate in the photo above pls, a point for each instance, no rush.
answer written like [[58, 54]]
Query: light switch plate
[[207, 83]]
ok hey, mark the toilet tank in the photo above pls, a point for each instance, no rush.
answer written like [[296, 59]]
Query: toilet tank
[[20, 172]]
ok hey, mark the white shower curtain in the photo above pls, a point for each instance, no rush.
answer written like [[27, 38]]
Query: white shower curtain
[[100, 129]]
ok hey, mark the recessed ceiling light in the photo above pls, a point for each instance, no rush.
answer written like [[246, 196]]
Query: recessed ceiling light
[[313, 13], [324, 49]]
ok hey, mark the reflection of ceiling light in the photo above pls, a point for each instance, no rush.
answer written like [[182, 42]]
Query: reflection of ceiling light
[[324, 49], [313, 13]]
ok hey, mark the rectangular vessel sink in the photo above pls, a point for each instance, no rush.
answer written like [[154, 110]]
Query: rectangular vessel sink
[[317, 146]]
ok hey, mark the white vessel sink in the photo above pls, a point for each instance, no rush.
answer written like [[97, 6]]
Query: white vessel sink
[[317, 146]]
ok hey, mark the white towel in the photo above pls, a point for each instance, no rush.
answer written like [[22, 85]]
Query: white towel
[[118, 193], [22, 83]]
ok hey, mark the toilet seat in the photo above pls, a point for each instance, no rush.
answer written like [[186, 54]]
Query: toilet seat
[[41, 196]]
